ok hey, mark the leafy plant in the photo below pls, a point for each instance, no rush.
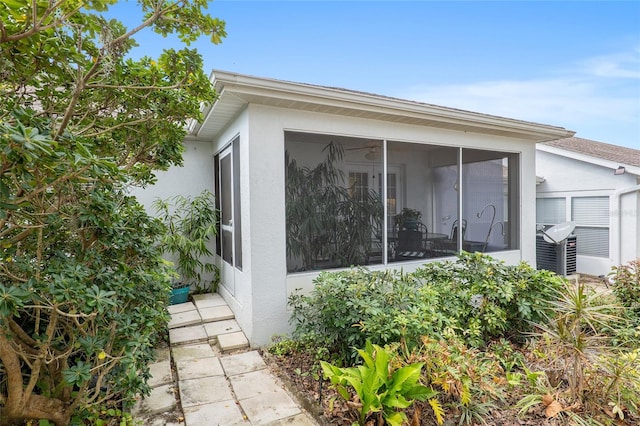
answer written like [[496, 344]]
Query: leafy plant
[[83, 287], [477, 298], [406, 218], [379, 388], [572, 334], [616, 384], [190, 224], [604, 381], [488, 298], [349, 307], [325, 223], [467, 379], [626, 284]]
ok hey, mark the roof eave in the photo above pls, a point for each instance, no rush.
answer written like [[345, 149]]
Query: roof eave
[[613, 165], [340, 101]]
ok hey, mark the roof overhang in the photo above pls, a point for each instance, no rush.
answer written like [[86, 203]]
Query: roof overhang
[[613, 165], [236, 91]]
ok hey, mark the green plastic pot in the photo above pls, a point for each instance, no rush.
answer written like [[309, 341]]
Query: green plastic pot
[[179, 295]]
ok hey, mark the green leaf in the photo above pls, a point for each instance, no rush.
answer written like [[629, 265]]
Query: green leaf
[[78, 374], [395, 418], [12, 298], [420, 392]]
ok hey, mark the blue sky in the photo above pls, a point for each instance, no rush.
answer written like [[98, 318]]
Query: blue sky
[[574, 64]]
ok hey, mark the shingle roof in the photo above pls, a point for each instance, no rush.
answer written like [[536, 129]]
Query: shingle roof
[[618, 154]]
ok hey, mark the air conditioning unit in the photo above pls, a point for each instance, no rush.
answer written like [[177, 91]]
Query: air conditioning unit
[[549, 255]]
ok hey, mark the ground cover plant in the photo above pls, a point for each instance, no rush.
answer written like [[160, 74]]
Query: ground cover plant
[[496, 344], [83, 289]]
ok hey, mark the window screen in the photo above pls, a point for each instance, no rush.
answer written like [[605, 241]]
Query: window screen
[[591, 211], [591, 215]]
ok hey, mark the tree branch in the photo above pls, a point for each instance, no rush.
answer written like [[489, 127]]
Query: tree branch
[[11, 363]]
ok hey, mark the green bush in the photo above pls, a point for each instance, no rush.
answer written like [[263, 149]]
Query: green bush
[[348, 307], [475, 297], [626, 288], [626, 284], [487, 298]]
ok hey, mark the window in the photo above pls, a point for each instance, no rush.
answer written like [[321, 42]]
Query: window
[[591, 215], [335, 213], [551, 211], [227, 181], [358, 185]]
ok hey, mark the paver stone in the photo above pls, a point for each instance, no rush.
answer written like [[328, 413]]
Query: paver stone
[[204, 391], [242, 363], [196, 368]]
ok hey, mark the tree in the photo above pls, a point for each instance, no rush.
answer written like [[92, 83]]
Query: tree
[[83, 288]]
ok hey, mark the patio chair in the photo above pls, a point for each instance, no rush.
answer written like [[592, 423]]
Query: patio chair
[[449, 247], [412, 243]]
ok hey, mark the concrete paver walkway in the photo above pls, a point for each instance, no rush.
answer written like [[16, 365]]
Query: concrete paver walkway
[[220, 381]]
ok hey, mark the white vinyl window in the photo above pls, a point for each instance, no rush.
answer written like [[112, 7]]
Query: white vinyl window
[[551, 211], [591, 215]]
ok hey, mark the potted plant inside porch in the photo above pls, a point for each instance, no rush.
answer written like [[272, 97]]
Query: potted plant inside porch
[[190, 224], [408, 219]]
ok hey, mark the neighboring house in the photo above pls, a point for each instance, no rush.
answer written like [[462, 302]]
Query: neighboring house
[[300, 172], [597, 185]]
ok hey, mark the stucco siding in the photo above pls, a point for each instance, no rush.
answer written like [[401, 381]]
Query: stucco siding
[[568, 177]]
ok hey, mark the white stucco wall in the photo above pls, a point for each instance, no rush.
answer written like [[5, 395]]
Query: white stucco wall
[[272, 285], [568, 177], [258, 293], [190, 180]]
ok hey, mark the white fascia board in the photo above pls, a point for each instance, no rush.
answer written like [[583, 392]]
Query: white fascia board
[[587, 158], [339, 98]]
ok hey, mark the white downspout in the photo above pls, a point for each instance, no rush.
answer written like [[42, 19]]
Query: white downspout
[[616, 222]]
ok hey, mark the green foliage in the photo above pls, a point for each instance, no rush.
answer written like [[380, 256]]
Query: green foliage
[[83, 287], [190, 225], [616, 383], [581, 361], [324, 222], [626, 284], [466, 378], [406, 216], [283, 346], [347, 308], [103, 416], [379, 387], [573, 334], [573, 349], [626, 288], [487, 298], [477, 298]]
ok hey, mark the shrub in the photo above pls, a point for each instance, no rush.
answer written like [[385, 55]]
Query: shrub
[[465, 378], [348, 307], [487, 298], [626, 288], [602, 381], [626, 284], [476, 297], [78, 325]]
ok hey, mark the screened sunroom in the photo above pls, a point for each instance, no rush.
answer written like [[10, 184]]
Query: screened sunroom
[[457, 199], [312, 178]]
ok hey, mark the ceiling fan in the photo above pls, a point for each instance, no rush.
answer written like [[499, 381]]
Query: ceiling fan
[[373, 152]]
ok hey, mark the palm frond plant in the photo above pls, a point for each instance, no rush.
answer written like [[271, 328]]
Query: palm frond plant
[[190, 224], [326, 225]]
